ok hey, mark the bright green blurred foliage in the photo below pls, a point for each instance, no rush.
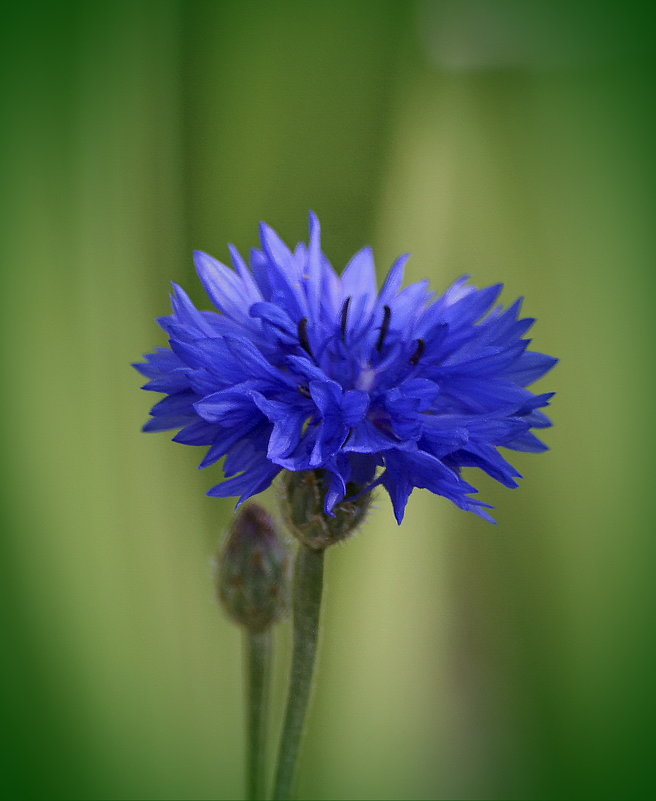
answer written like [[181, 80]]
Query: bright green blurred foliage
[[509, 140]]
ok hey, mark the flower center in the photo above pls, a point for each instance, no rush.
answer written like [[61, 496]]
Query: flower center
[[366, 379]]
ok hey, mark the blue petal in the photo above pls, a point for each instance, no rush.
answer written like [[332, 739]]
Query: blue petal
[[212, 355], [225, 439], [299, 459], [187, 314], [161, 361], [537, 419], [487, 458], [406, 422], [249, 483], [175, 381], [166, 423], [408, 469], [285, 436], [399, 489], [354, 406], [506, 327], [366, 438], [229, 407], [484, 361], [332, 430], [529, 367], [203, 382], [180, 403], [332, 435], [486, 394], [338, 473], [313, 277], [428, 472], [278, 318], [359, 277], [260, 265], [363, 468], [471, 307], [408, 304], [440, 442], [276, 249], [424, 390], [306, 368], [251, 287], [394, 280], [534, 402], [498, 430], [327, 395], [197, 433], [288, 421], [225, 288], [252, 362], [526, 442]]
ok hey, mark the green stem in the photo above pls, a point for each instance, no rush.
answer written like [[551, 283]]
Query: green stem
[[308, 583], [257, 646]]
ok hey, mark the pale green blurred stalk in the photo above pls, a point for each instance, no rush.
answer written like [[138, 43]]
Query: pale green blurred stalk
[[258, 657]]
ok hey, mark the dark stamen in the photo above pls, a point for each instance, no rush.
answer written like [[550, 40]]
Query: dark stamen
[[303, 340], [345, 310], [305, 391], [419, 352], [384, 328]]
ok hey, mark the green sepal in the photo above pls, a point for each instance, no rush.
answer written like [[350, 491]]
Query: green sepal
[[302, 508]]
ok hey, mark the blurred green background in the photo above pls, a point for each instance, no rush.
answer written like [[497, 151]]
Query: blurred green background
[[509, 140]]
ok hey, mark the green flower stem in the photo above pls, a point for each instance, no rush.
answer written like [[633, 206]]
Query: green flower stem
[[257, 646], [308, 584]]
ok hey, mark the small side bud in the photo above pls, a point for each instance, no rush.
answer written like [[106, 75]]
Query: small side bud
[[302, 507], [253, 570]]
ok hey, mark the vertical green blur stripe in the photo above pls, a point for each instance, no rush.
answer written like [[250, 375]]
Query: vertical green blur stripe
[[535, 168], [286, 109], [132, 131], [90, 151], [42, 753]]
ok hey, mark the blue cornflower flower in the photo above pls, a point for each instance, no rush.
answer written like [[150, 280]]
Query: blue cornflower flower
[[305, 370]]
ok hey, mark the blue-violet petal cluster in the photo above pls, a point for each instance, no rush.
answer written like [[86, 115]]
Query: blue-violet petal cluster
[[303, 369]]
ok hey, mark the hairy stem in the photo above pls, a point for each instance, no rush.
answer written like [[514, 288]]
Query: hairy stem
[[257, 646], [308, 583]]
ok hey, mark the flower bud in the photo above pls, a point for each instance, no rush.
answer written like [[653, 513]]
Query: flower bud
[[253, 570], [302, 507]]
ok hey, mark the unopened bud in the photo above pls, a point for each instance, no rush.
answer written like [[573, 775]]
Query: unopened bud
[[302, 506], [253, 570]]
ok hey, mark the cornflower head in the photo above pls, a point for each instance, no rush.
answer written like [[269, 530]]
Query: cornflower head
[[342, 384]]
